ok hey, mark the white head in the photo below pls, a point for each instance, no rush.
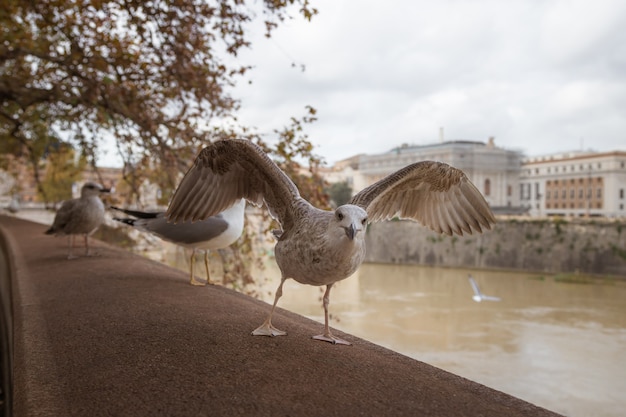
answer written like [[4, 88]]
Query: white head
[[91, 188], [352, 219]]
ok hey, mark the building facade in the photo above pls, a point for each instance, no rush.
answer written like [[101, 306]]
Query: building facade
[[495, 171], [575, 184]]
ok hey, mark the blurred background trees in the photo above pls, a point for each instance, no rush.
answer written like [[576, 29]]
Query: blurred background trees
[[64, 170], [339, 193], [153, 77]]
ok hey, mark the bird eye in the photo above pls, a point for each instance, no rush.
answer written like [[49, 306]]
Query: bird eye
[[364, 221], [340, 216]]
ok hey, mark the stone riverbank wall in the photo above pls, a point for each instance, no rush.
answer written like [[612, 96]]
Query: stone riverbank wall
[[549, 245]]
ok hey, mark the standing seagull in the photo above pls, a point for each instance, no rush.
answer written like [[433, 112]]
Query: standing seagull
[[478, 295], [80, 216], [319, 247], [216, 232]]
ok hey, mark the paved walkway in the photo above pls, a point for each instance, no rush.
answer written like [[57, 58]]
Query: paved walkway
[[119, 335]]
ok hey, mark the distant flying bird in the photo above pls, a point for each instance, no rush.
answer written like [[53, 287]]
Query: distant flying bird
[[80, 216], [215, 232], [319, 247], [478, 295]]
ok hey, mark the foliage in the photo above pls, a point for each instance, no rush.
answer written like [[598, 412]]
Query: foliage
[[154, 75], [292, 151], [340, 193], [61, 173], [558, 223]]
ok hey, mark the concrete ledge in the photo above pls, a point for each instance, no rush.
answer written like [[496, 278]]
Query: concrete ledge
[[119, 335]]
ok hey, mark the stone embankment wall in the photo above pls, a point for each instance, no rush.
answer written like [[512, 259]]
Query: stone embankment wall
[[553, 245]]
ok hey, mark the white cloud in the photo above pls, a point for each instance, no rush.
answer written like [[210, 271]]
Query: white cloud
[[537, 75]]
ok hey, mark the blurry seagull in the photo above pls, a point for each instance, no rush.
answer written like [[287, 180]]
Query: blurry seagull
[[478, 295], [319, 247], [14, 204], [216, 232], [80, 216]]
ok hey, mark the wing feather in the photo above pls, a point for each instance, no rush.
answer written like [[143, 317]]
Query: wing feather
[[437, 195], [226, 171], [443, 219], [456, 222]]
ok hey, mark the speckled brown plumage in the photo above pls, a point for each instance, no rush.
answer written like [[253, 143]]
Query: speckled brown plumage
[[79, 216], [319, 247]]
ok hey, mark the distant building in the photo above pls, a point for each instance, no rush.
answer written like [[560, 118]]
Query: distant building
[[575, 184], [345, 170], [495, 171], [25, 186]]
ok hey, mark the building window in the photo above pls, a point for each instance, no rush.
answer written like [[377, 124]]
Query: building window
[[509, 191], [487, 187], [548, 195], [621, 193], [599, 193], [572, 193]]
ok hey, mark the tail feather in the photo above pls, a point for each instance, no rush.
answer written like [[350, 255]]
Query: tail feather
[[138, 214], [130, 222]]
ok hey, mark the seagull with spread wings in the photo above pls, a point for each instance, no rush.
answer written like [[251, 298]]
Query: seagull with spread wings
[[320, 247], [478, 294]]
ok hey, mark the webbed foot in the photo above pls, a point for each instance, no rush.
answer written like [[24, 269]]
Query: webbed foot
[[331, 339], [266, 329], [194, 281]]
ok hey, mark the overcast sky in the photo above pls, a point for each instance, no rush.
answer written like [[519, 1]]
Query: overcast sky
[[540, 76]]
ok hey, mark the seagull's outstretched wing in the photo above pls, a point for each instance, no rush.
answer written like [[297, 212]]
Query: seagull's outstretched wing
[[226, 171], [474, 286], [437, 195]]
